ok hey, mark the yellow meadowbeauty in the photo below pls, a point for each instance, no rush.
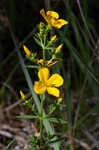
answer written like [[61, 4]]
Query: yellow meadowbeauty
[[27, 51], [58, 49], [52, 18], [53, 38], [48, 83], [22, 95]]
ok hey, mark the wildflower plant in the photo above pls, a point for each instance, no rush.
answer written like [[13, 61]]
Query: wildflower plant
[[47, 84]]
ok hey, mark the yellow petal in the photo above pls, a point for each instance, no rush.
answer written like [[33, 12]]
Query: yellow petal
[[52, 14], [39, 87], [42, 12], [52, 21], [55, 80], [27, 51], [59, 23], [53, 91], [43, 74]]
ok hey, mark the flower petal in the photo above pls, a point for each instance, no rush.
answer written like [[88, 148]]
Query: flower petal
[[52, 14], [43, 74], [55, 80], [42, 12], [53, 91], [59, 23], [39, 87]]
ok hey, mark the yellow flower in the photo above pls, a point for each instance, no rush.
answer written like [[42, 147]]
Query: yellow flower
[[22, 95], [53, 38], [47, 83], [52, 18], [27, 51], [58, 49]]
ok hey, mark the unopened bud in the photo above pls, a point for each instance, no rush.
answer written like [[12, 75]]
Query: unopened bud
[[27, 51]]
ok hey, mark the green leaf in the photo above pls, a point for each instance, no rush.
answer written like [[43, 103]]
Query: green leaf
[[37, 41], [33, 66], [57, 140], [31, 148], [57, 120], [28, 117]]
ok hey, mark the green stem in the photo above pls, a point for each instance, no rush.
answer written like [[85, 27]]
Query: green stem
[[44, 53], [41, 123], [44, 46]]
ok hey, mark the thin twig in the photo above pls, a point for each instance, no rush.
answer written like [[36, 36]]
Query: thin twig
[[71, 140], [6, 134], [10, 89], [47, 4], [83, 144], [92, 138], [16, 103], [79, 102]]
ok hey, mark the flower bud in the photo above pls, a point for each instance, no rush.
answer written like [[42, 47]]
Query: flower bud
[[22, 95], [58, 49], [53, 38], [27, 51]]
